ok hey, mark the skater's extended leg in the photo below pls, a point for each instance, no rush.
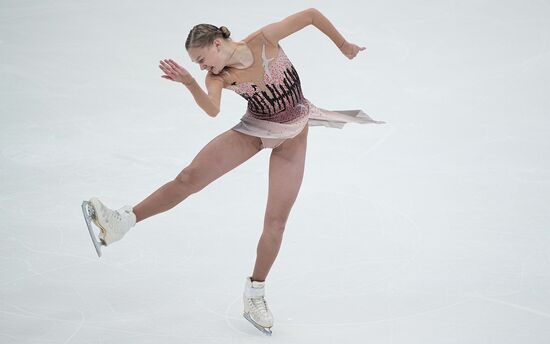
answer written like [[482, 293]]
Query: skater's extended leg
[[225, 152], [286, 170]]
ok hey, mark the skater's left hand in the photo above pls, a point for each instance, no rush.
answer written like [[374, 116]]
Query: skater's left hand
[[350, 49]]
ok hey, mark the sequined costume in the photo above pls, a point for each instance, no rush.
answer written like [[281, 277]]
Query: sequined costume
[[277, 109]]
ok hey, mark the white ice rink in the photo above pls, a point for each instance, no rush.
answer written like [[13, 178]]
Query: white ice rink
[[431, 228]]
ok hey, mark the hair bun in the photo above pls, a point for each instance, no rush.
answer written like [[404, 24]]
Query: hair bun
[[225, 31]]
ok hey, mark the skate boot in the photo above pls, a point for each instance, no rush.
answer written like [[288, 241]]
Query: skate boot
[[113, 224], [255, 306]]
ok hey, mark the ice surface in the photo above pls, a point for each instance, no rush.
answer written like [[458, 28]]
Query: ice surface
[[431, 228]]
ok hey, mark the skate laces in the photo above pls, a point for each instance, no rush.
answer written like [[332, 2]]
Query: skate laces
[[259, 303], [113, 215], [118, 214]]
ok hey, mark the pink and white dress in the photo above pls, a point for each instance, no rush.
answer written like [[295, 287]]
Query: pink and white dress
[[277, 109]]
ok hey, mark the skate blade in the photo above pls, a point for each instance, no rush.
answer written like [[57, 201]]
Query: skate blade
[[266, 331], [88, 212]]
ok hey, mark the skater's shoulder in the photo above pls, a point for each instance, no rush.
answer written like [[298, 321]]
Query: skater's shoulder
[[216, 79], [258, 39], [252, 36]]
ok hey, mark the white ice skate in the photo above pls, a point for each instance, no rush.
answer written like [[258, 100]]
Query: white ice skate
[[256, 310], [112, 224]]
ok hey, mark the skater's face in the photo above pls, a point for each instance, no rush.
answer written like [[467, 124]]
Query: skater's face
[[208, 57]]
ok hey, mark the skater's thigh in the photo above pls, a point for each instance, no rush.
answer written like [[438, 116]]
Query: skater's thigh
[[222, 154], [286, 171]]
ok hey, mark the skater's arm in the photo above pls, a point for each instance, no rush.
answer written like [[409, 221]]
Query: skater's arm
[[202, 99], [209, 104], [275, 32], [323, 24], [350, 50], [214, 85], [175, 72]]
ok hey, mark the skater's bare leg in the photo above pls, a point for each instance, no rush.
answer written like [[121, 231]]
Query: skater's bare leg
[[225, 152], [286, 170]]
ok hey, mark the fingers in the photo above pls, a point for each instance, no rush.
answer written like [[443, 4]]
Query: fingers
[[170, 68], [166, 66], [176, 67], [174, 63], [353, 50], [170, 64]]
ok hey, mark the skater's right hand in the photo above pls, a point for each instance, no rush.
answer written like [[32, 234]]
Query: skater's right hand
[[350, 49], [175, 72]]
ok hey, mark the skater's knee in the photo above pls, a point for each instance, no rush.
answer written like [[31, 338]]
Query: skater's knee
[[274, 224], [190, 179]]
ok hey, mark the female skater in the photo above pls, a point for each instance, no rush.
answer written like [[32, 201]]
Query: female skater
[[277, 117]]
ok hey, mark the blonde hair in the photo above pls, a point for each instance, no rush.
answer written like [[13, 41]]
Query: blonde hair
[[203, 35]]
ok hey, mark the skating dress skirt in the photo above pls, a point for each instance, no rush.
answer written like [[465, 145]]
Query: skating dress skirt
[[277, 109]]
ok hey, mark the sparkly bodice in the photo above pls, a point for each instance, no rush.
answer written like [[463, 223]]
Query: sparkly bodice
[[276, 97]]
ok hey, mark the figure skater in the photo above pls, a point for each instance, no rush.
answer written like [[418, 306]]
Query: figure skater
[[277, 117]]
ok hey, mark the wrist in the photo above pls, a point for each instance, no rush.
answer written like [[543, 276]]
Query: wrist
[[342, 44], [189, 83]]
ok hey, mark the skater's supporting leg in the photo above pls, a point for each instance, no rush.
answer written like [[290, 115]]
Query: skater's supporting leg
[[286, 170], [225, 152]]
